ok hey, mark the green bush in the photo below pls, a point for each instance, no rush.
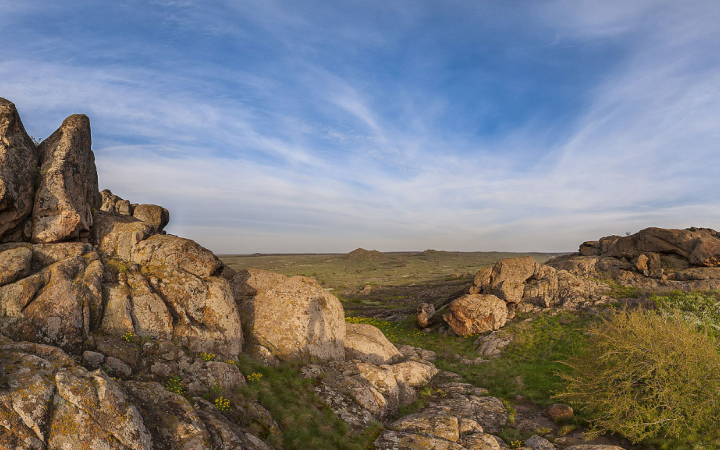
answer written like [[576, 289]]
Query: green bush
[[697, 307], [646, 376]]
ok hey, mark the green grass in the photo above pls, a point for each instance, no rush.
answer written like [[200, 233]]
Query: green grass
[[527, 367], [305, 422], [620, 291], [396, 269], [701, 308]]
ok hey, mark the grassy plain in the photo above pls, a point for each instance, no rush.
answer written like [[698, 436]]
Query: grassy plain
[[389, 280]]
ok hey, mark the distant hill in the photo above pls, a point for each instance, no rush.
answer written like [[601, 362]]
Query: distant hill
[[367, 255]]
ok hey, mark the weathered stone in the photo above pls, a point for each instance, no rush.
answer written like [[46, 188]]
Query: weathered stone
[[18, 170], [217, 374], [493, 344], [68, 188], [248, 283], [480, 441], [99, 397], [476, 313], [536, 442], [383, 379], [58, 305], [441, 426], [296, 319], [424, 312], [594, 447], [92, 360], [116, 236], [223, 433], [155, 215], [149, 314], [367, 343], [205, 317], [559, 412], [398, 440], [172, 421], [165, 250], [48, 398], [117, 368], [15, 260], [489, 412]]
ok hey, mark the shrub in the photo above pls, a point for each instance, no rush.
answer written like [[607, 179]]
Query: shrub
[[644, 375], [697, 307]]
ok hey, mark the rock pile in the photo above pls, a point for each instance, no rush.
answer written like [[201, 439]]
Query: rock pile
[[651, 258]]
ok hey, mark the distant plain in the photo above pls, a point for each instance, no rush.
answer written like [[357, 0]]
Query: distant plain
[[374, 280]]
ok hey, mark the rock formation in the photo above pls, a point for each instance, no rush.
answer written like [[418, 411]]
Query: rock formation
[[18, 174], [67, 192], [651, 258]]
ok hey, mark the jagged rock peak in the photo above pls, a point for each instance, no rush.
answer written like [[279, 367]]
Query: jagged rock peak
[[18, 164], [67, 192]]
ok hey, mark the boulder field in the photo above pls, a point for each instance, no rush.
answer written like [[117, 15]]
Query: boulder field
[[651, 259]]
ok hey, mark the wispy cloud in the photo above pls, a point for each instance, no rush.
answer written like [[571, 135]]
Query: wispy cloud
[[278, 126]]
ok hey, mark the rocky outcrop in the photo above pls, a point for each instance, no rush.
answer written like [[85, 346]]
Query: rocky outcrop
[[460, 418], [360, 392], [294, 319], [18, 174], [651, 258], [155, 215], [67, 192], [366, 343], [476, 313], [61, 303], [525, 285]]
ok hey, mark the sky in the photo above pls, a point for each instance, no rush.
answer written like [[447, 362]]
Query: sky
[[279, 126]]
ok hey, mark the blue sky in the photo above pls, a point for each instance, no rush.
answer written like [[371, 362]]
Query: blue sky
[[286, 126]]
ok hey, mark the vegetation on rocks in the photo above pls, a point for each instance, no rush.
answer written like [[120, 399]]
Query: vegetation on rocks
[[305, 422], [647, 376]]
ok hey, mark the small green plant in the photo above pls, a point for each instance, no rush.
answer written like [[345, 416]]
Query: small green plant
[[253, 377], [543, 431], [619, 291], [516, 444], [646, 376], [207, 356], [176, 385], [512, 412], [222, 404], [566, 429], [129, 336]]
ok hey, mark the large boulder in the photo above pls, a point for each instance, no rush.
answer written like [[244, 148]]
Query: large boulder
[[15, 260], [116, 235], [61, 303], [296, 319], [476, 313], [171, 251], [155, 215], [205, 316], [67, 192], [18, 172], [367, 343]]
